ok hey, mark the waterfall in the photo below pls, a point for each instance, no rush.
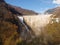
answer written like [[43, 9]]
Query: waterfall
[[22, 21], [25, 33]]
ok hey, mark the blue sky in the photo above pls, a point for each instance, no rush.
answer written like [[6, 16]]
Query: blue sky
[[36, 5]]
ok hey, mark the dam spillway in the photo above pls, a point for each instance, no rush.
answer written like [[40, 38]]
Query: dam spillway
[[36, 22]]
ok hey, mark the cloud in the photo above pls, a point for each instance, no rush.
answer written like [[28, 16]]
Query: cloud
[[56, 2]]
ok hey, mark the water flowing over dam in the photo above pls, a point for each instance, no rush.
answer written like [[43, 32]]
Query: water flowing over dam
[[35, 22], [25, 32]]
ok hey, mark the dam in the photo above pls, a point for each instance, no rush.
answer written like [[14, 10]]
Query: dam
[[36, 22]]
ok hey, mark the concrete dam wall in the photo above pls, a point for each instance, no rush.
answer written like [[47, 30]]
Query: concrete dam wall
[[36, 22]]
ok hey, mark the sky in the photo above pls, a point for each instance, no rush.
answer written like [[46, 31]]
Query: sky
[[39, 6]]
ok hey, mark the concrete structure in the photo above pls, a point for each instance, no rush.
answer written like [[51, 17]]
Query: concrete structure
[[36, 22]]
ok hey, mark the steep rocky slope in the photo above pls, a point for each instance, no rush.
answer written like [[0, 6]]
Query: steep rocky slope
[[10, 26]]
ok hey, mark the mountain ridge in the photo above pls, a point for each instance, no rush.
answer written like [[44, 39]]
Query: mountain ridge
[[54, 11]]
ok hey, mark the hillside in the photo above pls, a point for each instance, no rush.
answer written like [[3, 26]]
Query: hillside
[[24, 11], [55, 11], [10, 26]]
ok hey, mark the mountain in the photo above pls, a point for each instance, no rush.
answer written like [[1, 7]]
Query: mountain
[[54, 11], [10, 26], [24, 11]]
